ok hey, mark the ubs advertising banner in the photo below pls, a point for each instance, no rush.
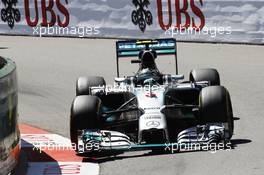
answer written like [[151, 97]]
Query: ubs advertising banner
[[188, 20]]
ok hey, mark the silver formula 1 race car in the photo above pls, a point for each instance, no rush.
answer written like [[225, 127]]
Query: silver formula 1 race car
[[150, 110]]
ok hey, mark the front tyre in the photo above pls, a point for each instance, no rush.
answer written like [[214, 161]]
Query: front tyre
[[83, 84], [210, 75], [216, 107], [84, 115]]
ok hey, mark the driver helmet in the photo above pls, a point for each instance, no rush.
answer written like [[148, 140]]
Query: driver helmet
[[148, 68], [147, 58]]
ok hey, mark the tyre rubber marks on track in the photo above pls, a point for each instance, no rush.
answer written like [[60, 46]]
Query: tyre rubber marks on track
[[51, 154]]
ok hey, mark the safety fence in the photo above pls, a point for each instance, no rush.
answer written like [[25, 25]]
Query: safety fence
[[9, 132]]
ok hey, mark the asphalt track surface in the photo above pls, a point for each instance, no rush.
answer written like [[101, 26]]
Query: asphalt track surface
[[49, 67]]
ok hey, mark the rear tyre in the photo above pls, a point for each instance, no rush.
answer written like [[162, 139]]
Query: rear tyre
[[83, 84], [84, 115], [210, 75], [215, 106]]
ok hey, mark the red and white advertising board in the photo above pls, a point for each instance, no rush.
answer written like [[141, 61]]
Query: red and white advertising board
[[189, 20]]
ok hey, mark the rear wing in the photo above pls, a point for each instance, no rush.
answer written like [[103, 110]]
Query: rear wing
[[131, 48]]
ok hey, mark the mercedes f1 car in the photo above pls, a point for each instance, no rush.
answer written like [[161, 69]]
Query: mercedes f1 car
[[150, 110]]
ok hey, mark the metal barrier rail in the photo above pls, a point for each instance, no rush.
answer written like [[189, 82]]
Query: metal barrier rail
[[9, 132]]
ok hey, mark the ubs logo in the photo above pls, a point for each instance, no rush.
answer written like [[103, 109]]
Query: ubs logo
[[9, 13], [141, 16]]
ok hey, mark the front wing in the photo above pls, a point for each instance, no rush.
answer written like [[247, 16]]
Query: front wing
[[195, 138]]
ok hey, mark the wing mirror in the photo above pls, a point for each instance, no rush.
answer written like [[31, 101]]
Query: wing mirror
[[135, 61], [120, 80], [177, 77], [172, 78]]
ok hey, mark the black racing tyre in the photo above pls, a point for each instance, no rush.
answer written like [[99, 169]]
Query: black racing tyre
[[215, 106], [83, 84], [85, 111], [210, 75]]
